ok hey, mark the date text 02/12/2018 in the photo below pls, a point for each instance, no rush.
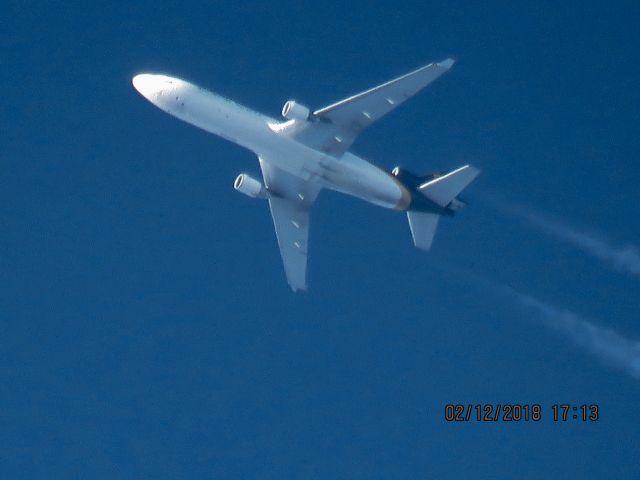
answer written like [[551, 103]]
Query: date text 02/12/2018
[[498, 412]]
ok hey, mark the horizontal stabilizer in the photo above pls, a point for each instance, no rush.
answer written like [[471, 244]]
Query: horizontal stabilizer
[[443, 190], [423, 227]]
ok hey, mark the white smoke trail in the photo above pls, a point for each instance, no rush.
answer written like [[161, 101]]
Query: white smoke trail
[[610, 346], [626, 258]]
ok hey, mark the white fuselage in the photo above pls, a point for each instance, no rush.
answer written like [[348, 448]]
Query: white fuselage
[[262, 135]]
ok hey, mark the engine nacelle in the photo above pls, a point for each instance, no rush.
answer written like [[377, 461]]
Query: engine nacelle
[[408, 178], [249, 186], [295, 111], [411, 179]]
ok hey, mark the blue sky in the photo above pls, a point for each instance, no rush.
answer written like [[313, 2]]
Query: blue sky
[[147, 328]]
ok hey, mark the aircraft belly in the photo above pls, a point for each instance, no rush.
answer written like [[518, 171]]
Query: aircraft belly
[[348, 174], [357, 177], [242, 126], [217, 115]]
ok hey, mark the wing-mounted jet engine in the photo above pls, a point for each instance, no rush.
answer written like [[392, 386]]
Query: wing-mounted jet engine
[[248, 185], [294, 111]]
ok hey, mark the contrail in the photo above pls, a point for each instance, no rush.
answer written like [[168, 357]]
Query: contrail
[[610, 346], [626, 258], [607, 344]]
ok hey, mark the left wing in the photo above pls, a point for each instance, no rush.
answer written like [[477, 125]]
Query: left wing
[[290, 200], [334, 128]]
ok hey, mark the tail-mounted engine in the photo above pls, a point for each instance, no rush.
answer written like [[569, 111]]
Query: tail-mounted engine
[[249, 186], [438, 191], [295, 111], [412, 180]]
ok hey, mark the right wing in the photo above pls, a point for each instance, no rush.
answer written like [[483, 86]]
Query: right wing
[[334, 128], [290, 200]]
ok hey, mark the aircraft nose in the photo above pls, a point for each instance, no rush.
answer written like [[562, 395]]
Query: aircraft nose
[[146, 84]]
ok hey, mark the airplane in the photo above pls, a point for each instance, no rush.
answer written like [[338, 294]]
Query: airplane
[[309, 151]]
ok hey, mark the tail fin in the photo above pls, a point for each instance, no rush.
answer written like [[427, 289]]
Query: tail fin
[[443, 190], [423, 227]]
